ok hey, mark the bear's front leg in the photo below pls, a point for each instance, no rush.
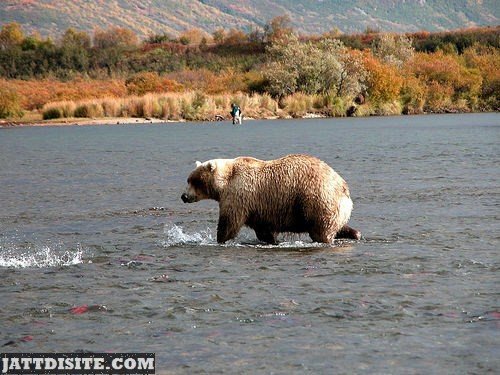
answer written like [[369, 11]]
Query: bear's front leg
[[228, 227], [266, 236]]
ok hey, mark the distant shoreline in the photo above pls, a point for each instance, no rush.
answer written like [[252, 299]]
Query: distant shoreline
[[280, 74], [146, 121], [86, 121]]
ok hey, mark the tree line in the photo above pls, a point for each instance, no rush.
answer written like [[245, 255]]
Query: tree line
[[118, 52], [390, 73]]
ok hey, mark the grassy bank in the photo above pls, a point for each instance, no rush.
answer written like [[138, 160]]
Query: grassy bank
[[189, 106], [197, 106]]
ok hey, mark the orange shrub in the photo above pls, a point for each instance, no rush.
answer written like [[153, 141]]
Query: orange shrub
[[447, 71], [228, 81], [34, 94], [114, 37], [145, 82], [487, 61], [193, 79], [384, 81], [225, 82], [193, 36], [235, 37], [438, 96]]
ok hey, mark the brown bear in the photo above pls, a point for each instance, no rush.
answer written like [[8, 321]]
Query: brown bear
[[296, 193]]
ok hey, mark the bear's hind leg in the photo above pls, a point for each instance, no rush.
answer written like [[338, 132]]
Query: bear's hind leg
[[348, 233], [266, 236], [320, 236]]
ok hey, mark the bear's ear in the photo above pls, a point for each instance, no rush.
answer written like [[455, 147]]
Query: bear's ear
[[210, 165]]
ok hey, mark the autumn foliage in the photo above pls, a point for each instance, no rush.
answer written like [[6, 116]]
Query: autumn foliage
[[148, 82], [275, 71], [384, 80], [33, 94]]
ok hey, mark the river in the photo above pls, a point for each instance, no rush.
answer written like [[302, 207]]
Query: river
[[98, 252]]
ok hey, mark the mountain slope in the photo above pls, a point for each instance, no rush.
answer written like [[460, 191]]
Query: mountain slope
[[145, 17]]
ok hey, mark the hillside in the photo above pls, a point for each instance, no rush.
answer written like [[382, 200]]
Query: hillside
[[146, 17]]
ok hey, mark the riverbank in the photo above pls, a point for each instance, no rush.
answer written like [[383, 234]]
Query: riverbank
[[147, 120], [175, 107], [121, 121], [83, 121], [196, 106]]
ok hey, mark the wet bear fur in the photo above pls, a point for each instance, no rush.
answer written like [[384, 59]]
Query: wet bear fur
[[295, 194]]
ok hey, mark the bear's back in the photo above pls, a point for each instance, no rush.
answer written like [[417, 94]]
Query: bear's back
[[286, 193]]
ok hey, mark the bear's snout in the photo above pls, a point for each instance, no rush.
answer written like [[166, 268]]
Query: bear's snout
[[185, 198], [189, 198]]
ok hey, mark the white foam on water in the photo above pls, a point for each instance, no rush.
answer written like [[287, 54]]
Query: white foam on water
[[38, 257], [176, 236], [292, 245]]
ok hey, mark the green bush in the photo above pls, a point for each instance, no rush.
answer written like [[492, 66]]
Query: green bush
[[331, 104], [10, 105], [90, 110], [81, 111], [199, 100], [52, 113], [188, 112]]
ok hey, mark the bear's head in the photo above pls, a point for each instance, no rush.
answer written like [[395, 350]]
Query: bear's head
[[207, 181]]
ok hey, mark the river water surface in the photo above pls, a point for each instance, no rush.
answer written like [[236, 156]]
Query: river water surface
[[98, 252]]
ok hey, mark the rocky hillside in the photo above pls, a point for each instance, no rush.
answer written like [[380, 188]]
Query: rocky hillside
[[146, 17]]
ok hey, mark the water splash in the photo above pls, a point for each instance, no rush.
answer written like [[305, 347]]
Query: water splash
[[176, 236], [296, 244], [38, 257]]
